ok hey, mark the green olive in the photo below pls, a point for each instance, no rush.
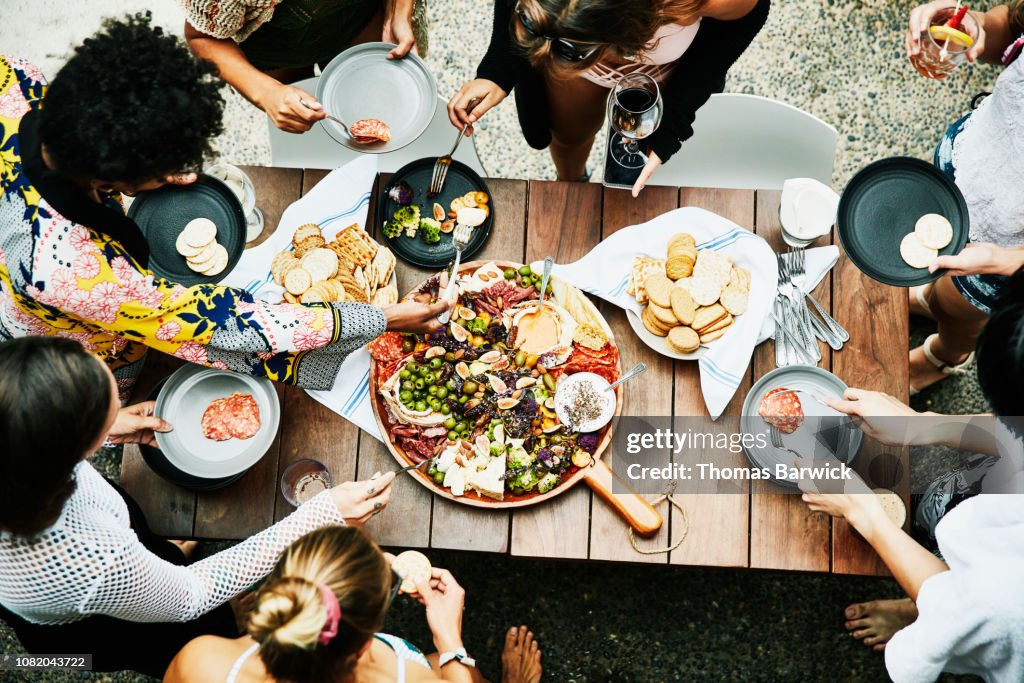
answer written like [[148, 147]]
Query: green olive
[[404, 375], [463, 398], [521, 358], [408, 386], [450, 423], [469, 388], [525, 270], [450, 357], [432, 390], [442, 392], [405, 396], [420, 383], [445, 409], [439, 476], [421, 406], [435, 363], [549, 381], [510, 273], [434, 404]]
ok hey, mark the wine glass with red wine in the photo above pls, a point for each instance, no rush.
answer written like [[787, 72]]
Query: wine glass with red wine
[[634, 109]]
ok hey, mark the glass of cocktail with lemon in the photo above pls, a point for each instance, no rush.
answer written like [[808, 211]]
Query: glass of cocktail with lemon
[[944, 44]]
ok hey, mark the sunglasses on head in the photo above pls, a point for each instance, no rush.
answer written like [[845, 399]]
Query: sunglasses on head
[[569, 50]]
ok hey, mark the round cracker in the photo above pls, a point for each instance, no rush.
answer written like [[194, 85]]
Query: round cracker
[[659, 289], [934, 230], [916, 254], [735, 299], [652, 324], [704, 290], [304, 231], [683, 340], [683, 305], [184, 249], [220, 262], [682, 239], [321, 263], [665, 316], [297, 280], [414, 568], [205, 258], [678, 267], [199, 232]]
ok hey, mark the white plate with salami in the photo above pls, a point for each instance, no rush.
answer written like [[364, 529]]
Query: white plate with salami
[[224, 422], [787, 398]]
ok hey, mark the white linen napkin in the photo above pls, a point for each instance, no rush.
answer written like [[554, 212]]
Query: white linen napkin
[[337, 201], [605, 271]]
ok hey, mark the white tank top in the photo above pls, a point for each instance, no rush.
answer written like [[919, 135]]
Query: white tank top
[[988, 155]]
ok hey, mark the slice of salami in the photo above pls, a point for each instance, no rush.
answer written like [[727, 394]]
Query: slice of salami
[[235, 416], [370, 130], [387, 348], [781, 408]]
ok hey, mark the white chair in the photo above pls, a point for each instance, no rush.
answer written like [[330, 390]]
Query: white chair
[[316, 149], [751, 142]]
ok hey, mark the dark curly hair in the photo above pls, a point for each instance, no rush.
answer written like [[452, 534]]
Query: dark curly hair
[[132, 105], [1000, 352]]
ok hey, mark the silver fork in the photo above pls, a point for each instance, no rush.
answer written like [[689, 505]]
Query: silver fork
[[808, 343], [330, 118], [775, 435], [460, 239], [441, 167], [796, 259]]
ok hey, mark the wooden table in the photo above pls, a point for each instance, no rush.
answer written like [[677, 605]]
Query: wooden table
[[759, 528]]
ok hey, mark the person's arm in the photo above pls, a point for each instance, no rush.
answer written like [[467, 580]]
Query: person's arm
[[700, 72], [213, 30], [981, 258], [996, 30], [910, 563], [137, 585], [398, 27], [495, 76]]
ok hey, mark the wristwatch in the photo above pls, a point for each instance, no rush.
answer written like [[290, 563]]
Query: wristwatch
[[459, 655]]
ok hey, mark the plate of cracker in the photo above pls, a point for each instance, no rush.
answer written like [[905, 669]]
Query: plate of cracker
[[352, 267], [896, 216], [196, 233], [691, 298]]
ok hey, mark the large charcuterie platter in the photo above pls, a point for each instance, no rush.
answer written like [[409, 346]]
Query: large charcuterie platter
[[478, 399]]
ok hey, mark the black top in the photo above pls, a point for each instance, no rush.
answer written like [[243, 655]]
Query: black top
[[71, 200], [698, 73]]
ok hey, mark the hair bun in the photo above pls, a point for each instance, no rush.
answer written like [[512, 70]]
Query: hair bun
[[290, 613]]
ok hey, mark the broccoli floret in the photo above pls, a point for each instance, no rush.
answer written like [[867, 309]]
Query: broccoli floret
[[547, 482], [407, 218], [518, 458], [497, 448], [392, 228], [431, 230], [524, 482], [476, 325]]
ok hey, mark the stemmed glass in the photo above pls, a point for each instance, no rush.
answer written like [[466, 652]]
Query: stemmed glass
[[242, 186], [634, 109]]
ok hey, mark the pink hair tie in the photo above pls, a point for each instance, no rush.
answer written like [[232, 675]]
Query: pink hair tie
[[333, 614]]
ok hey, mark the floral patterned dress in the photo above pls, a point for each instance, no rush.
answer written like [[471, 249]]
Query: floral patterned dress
[[61, 277]]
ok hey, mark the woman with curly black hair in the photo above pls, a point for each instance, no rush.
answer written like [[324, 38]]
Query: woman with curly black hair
[[133, 110]]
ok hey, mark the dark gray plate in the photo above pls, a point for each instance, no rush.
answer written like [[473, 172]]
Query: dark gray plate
[[163, 213], [882, 203], [362, 83], [844, 442], [460, 180]]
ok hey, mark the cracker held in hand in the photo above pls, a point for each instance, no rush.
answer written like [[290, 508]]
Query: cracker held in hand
[[414, 568], [916, 254]]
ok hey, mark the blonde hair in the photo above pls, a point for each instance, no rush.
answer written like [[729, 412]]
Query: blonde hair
[[290, 613], [614, 26]]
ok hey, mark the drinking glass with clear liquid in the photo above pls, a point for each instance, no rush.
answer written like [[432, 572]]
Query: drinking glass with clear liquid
[[944, 49], [240, 183], [303, 480], [635, 108]]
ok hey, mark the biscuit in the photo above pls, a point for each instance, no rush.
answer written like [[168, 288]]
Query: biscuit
[[682, 239], [683, 306], [916, 254], [714, 266], [712, 336], [659, 289], [184, 249], [652, 324], [678, 267], [385, 296], [740, 277], [383, 263], [321, 263], [291, 298], [312, 296], [720, 325], [735, 299], [204, 259], [643, 267], [297, 280], [199, 232], [414, 568], [684, 283], [708, 315], [309, 244], [304, 231], [664, 315], [219, 263], [934, 230], [704, 290], [683, 340]]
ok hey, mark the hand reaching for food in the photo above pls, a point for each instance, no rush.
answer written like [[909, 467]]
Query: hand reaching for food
[[462, 111], [358, 501], [413, 316], [137, 424], [292, 109]]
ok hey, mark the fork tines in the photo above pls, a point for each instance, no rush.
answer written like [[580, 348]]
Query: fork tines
[[439, 175]]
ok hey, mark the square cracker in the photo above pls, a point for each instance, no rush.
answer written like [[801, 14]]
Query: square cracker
[[714, 266]]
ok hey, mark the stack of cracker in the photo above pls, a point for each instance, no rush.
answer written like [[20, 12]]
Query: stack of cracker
[[198, 244], [351, 268], [692, 296]]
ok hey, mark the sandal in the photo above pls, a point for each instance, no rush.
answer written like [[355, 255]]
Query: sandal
[[920, 294], [941, 365]]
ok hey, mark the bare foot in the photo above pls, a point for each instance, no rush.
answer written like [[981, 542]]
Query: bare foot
[[520, 660], [187, 548], [876, 621]]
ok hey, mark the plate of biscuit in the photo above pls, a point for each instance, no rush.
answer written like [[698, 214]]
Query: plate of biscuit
[[352, 267], [690, 298]]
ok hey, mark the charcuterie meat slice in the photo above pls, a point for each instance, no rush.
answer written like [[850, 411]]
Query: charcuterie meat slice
[[781, 408], [235, 416]]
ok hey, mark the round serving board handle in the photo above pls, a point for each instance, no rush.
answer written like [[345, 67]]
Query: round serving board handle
[[640, 515]]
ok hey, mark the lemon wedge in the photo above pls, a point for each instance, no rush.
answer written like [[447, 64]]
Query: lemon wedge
[[943, 33]]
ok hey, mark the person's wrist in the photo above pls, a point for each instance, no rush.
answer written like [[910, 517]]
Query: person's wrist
[[389, 317], [1008, 261], [866, 515], [448, 642]]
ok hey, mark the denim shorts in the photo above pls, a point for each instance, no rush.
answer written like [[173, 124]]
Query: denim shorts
[[981, 291]]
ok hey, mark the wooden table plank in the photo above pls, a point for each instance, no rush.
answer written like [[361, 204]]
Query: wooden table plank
[[460, 526], [248, 506], [564, 221], [648, 395], [876, 357], [718, 522], [784, 534]]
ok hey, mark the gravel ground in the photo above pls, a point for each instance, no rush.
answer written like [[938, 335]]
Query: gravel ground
[[838, 59]]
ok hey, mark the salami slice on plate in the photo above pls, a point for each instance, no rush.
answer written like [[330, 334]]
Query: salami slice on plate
[[370, 130], [235, 416], [781, 408]]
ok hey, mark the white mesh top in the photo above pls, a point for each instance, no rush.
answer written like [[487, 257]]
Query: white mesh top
[[988, 155], [91, 562]]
